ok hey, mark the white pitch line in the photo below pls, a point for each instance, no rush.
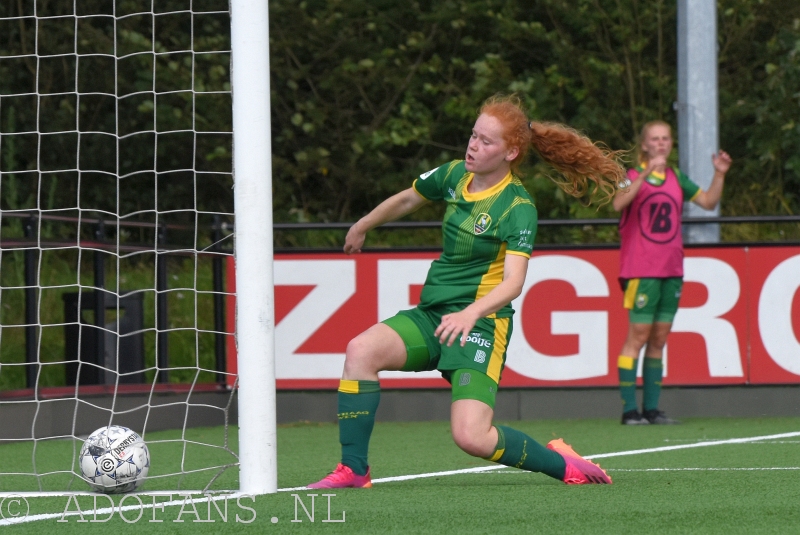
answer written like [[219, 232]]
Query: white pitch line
[[699, 469], [421, 476], [695, 445], [596, 456], [767, 468]]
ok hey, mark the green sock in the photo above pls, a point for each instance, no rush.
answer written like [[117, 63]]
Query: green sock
[[515, 448], [652, 372], [626, 366], [358, 401]]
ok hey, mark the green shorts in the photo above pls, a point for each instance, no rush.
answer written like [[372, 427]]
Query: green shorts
[[484, 351], [652, 299]]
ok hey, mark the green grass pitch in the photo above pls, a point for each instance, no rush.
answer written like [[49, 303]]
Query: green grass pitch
[[706, 486]]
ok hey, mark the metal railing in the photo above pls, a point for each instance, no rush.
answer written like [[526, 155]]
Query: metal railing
[[218, 233]]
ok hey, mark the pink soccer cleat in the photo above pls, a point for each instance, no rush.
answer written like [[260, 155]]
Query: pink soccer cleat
[[343, 477], [579, 470]]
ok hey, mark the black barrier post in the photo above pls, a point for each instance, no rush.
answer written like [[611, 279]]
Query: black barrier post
[[161, 306], [100, 294], [31, 306], [219, 301]]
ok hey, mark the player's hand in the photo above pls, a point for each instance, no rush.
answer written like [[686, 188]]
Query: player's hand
[[456, 326], [722, 161], [354, 240], [657, 163]]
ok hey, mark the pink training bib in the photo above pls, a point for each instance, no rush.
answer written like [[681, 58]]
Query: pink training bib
[[651, 244]]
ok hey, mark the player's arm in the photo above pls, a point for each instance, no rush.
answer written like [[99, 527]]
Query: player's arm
[[458, 325], [393, 208], [625, 196], [710, 198]]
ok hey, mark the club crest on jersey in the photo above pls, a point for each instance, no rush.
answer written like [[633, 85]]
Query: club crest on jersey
[[482, 223]]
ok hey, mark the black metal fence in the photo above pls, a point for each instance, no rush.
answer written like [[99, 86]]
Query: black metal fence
[[217, 233]]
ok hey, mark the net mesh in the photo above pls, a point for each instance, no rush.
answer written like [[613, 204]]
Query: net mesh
[[115, 210]]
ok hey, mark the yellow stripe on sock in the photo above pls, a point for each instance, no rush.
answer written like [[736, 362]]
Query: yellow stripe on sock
[[626, 363], [630, 293], [348, 386], [496, 457]]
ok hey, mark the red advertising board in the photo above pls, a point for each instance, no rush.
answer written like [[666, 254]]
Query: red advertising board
[[738, 322]]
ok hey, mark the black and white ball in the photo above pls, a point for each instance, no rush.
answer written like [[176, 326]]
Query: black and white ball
[[114, 460]]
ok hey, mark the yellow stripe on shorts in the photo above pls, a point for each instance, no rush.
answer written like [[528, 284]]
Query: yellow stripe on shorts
[[630, 293], [500, 344]]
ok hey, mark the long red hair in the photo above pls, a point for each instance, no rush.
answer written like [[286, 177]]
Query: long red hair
[[579, 160]]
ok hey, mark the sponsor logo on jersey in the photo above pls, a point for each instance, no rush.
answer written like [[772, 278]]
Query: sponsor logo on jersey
[[476, 338], [524, 236], [464, 379], [482, 223], [451, 192], [641, 301], [480, 356], [659, 218], [423, 176]]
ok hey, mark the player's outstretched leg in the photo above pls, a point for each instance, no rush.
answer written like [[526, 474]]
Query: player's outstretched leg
[[518, 450], [579, 471]]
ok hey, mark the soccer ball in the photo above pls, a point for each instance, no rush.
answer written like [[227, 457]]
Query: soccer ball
[[114, 460]]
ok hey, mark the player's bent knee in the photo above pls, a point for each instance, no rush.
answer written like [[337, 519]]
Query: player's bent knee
[[472, 443], [359, 355]]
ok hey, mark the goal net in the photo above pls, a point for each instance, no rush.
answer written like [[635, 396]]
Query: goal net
[[116, 219]]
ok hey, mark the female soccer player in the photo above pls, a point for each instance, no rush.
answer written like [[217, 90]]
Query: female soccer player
[[462, 325], [651, 261]]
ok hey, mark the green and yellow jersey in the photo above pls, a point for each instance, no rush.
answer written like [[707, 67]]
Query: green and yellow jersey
[[689, 188], [478, 231]]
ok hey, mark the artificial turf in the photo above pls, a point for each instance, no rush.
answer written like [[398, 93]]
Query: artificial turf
[[725, 488]]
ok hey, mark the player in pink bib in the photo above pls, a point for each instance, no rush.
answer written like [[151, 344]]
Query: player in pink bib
[[651, 261]]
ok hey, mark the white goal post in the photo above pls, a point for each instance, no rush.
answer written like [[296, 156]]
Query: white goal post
[[255, 310]]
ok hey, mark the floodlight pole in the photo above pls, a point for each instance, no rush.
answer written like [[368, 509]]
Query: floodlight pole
[[698, 106], [255, 299]]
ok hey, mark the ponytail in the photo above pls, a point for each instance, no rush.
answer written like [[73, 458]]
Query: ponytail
[[581, 162], [578, 159]]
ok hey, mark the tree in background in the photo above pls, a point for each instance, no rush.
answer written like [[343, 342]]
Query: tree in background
[[366, 94]]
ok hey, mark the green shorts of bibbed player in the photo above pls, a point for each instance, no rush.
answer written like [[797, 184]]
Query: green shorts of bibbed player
[[652, 299], [473, 370]]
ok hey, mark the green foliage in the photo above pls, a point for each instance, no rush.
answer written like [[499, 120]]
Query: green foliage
[[118, 86], [189, 307], [367, 94]]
